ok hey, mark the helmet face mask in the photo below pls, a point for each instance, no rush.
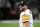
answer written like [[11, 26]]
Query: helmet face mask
[[24, 5]]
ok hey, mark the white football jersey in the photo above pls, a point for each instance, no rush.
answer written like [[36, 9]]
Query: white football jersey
[[26, 16]]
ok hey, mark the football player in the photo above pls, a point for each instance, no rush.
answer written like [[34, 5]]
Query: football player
[[26, 19]]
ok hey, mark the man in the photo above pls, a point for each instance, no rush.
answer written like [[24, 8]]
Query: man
[[26, 19]]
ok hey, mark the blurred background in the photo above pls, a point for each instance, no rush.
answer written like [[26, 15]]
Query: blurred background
[[10, 12]]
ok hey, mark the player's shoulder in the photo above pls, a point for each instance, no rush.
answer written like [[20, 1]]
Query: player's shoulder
[[29, 11]]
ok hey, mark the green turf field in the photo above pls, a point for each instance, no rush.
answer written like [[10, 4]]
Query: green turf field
[[16, 24]]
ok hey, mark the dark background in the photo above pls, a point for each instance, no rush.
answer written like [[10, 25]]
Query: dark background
[[9, 9]]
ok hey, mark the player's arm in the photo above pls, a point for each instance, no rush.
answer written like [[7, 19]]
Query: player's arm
[[25, 24]]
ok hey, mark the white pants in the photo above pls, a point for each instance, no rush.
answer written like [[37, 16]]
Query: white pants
[[22, 25]]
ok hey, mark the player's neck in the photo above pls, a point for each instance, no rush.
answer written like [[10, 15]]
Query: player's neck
[[25, 8]]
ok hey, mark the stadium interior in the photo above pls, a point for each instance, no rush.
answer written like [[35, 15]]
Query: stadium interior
[[9, 9], [10, 12]]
